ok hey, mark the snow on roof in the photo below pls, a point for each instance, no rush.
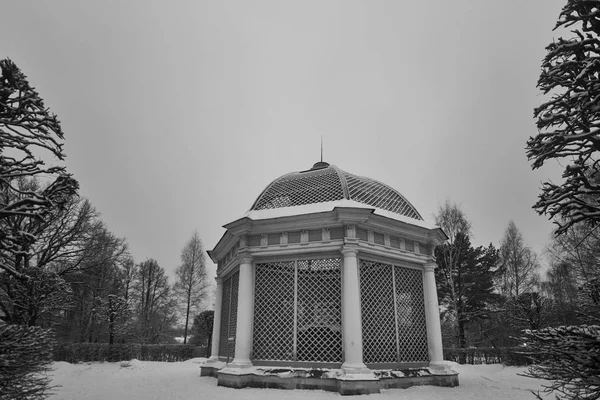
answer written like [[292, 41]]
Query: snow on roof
[[330, 206]]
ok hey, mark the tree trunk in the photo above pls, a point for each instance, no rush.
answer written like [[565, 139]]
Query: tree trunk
[[462, 342], [111, 330], [187, 317]]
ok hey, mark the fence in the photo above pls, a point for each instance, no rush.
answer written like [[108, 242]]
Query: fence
[[488, 355]]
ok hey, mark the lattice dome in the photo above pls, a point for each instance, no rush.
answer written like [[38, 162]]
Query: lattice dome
[[324, 183]]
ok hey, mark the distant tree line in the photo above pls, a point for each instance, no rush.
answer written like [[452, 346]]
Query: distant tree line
[[489, 296], [82, 281]]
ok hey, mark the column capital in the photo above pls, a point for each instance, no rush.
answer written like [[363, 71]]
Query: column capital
[[430, 266], [245, 257], [219, 280], [349, 251]]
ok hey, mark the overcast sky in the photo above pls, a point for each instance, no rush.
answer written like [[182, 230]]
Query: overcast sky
[[177, 114]]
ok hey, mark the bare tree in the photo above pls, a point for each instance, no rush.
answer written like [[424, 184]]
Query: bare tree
[[100, 273], [574, 273], [457, 227], [63, 246], [579, 248], [154, 302], [518, 264], [192, 282]]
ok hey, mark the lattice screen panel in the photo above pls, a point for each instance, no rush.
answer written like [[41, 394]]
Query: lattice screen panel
[[225, 308], [410, 306], [229, 317], [393, 314], [319, 329], [274, 311], [297, 311], [377, 194], [299, 189], [377, 308]]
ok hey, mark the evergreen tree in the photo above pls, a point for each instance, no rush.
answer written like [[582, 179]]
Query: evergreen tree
[[466, 291], [202, 329]]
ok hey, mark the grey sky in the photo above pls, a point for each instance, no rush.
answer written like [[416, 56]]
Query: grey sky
[[179, 113]]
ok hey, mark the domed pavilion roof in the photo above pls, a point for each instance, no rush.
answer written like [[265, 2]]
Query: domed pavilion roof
[[325, 183]]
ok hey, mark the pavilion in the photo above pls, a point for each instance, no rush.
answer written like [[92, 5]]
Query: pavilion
[[328, 282]]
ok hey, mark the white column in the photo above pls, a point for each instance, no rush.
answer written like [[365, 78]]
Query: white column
[[243, 337], [216, 333], [432, 314], [351, 320]]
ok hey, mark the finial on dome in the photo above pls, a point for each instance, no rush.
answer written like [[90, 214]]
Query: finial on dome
[[321, 164]]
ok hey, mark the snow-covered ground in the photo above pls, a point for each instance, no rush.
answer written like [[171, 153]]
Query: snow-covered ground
[[138, 380]]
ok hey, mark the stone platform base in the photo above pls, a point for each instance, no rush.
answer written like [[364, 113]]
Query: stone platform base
[[333, 380]]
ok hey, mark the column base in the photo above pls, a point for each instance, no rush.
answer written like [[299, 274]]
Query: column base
[[213, 361], [211, 367], [240, 363], [354, 368], [438, 365]]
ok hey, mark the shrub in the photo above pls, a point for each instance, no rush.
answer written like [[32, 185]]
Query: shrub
[[25, 356], [487, 355], [87, 352], [569, 356]]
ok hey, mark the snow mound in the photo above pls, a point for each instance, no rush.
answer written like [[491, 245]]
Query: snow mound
[[197, 360]]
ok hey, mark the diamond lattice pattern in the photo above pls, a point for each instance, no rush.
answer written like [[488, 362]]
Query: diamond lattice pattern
[[410, 305], [229, 317], [393, 314], [319, 332], [377, 308], [377, 194], [274, 311], [297, 311], [299, 189]]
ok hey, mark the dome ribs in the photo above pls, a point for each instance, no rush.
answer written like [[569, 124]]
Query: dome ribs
[[299, 189], [330, 183]]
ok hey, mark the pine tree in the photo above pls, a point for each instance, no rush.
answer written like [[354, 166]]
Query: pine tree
[[467, 289], [202, 329]]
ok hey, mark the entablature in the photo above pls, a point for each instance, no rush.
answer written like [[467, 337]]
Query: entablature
[[320, 230]]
